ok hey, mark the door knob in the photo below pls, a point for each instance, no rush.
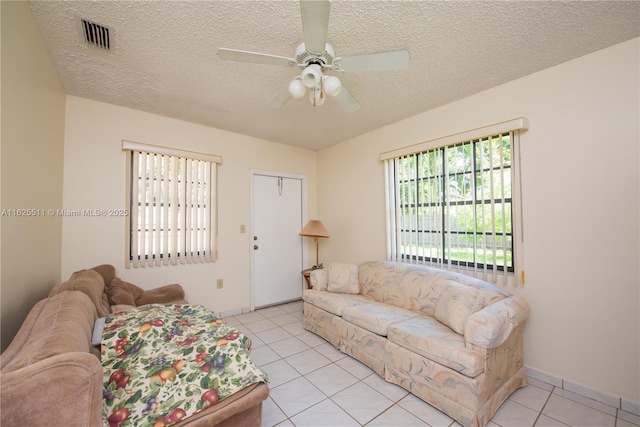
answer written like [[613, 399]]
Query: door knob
[[255, 247]]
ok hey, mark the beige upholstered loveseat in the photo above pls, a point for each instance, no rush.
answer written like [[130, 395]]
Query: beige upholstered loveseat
[[52, 375], [452, 340]]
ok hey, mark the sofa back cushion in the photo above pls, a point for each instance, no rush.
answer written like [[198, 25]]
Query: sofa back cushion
[[380, 280], [343, 278], [448, 296], [91, 283], [319, 279], [456, 303], [123, 293], [60, 324]]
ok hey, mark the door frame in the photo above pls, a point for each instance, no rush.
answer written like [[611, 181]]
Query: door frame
[[303, 211]]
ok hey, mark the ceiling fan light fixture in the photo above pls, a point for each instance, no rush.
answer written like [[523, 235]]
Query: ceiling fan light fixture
[[312, 76], [332, 85], [296, 88]]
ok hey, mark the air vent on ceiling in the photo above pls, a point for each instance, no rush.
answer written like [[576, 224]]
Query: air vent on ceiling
[[96, 35]]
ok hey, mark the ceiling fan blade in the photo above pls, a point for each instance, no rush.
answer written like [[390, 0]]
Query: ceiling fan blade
[[315, 21], [281, 98], [395, 60], [347, 101], [254, 57]]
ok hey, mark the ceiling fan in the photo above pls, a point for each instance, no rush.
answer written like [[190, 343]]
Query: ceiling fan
[[315, 57]]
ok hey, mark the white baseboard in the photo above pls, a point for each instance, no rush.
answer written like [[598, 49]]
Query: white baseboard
[[233, 312], [607, 399]]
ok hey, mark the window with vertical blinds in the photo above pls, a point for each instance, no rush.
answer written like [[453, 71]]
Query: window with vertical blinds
[[172, 199], [454, 206]]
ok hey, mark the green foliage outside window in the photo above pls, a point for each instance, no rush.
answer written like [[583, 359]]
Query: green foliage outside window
[[455, 203]]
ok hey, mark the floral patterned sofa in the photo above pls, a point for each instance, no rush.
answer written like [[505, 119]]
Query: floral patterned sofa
[[452, 340]]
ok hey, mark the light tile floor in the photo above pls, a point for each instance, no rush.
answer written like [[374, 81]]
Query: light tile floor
[[313, 384]]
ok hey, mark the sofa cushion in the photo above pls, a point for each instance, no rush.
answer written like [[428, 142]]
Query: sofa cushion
[[89, 282], [121, 292], [107, 271], [455, 304], [428, 337], [376, 317], [319, 279], [333, 303], [162, 295], [343, 278], [378, 277]]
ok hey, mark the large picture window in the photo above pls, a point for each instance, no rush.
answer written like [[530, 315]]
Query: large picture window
[[452, 206], [172, 200]]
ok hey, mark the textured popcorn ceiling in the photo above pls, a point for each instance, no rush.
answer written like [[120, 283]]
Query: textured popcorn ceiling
[[164, 56]]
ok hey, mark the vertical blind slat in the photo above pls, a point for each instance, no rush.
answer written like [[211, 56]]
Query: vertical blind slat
[[201, 211], [157, 208], [174, 222], [135, 209], [143, 250], [187, 217], [166, 200], [484, 240], [207, 214], [503, 236], [213, 185], [492, 205]]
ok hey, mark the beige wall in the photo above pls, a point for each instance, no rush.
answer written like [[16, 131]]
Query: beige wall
[[33, 103], [580, 162], [95, 175]]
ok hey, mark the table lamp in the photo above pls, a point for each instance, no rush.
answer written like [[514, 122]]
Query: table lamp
[[314, 228]]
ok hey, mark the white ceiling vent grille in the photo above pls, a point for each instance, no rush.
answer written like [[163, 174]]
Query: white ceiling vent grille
[[96, 35]]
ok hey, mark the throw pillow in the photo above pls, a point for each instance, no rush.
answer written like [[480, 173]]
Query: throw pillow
[[107, 271], [121, 292], [455, 304], [163, 295], [343, 278]]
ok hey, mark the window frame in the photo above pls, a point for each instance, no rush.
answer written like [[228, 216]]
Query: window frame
[[476, 201], [480, 267], [174, 223]]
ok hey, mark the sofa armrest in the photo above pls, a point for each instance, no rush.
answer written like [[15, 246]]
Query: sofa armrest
[[492, 325], [64, 390]]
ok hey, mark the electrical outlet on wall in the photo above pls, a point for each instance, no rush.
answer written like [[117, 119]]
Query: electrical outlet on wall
[[219, 283]]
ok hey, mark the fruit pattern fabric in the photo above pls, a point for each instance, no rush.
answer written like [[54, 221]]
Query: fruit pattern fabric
[[164, 362]]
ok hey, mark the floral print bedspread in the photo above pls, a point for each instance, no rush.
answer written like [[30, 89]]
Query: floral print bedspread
[[164, 362]]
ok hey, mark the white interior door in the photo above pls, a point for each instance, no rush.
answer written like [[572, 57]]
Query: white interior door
[[276, 245]]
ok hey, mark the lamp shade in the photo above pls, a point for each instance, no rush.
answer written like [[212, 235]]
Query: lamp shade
[[314, 228]]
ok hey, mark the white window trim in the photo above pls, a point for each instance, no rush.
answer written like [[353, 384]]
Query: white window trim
[[510, 125], [158, 149]]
